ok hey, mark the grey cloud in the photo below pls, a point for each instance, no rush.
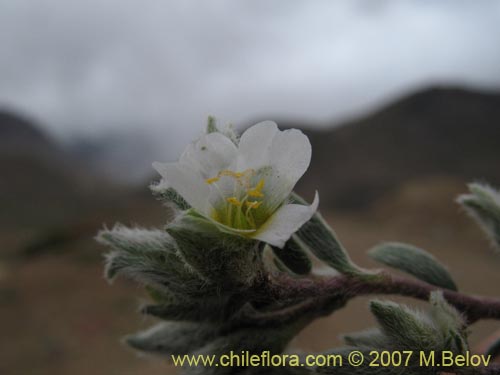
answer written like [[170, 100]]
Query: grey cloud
[[89, 66]]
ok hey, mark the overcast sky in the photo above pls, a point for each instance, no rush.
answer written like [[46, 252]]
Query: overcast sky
[[89, 66]]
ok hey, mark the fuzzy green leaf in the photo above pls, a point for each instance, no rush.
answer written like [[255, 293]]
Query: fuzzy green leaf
[[210, 308], [405, 328], [151, 258], [169, 338], [483, 205], [414, 261], [169, 196], [449, 322], [294, 257], [323, 243]]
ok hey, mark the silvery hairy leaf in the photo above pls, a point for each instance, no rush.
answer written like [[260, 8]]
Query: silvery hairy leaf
[[414, 261], [406, 328], [212, 308], [177, 338], [148, 256], [323, 243], [169, 196], [294, 256], [483, 205]]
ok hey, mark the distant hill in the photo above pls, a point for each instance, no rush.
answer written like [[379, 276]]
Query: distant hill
[[19, 134], [38, 183], [436, 132], [122, 157], [44, 184]]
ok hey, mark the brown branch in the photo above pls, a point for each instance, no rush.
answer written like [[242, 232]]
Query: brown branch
[[343, 286]]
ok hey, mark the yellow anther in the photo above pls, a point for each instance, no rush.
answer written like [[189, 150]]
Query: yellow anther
[[212, 180], [230, 174], [234, 201], [253, 204], [236, 175], [257, 190]]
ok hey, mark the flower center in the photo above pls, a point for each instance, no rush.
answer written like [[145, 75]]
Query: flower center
[[240, 210]]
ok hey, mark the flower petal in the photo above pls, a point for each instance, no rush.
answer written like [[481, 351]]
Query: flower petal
[[286, 221], [187, 182], [255, 145], [209, 155], [290, 155], [289, 158]]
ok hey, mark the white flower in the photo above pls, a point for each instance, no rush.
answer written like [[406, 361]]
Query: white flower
[[243, 188]]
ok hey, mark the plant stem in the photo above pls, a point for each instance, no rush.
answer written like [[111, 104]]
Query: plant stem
[[326, 289]]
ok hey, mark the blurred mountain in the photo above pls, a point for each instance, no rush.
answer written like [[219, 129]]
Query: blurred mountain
[[19, 134], [37, 181], [122, 157], [441, 132], [51, 195], [436, 132]]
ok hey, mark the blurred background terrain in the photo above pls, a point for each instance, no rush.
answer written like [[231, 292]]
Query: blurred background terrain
[[401, 101]]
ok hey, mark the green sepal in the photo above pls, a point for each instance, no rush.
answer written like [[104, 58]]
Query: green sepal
[[212, 125], [218, 257]]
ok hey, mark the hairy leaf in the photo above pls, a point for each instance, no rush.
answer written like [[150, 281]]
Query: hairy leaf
[[294, 257], [169, 338], [323, 243], [205, 308], [149, 257], [414, 261], [449, 321], [169, 196], [406, 328], [483, 205]]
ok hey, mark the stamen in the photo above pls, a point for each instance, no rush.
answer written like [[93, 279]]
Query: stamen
[[230, 174], [253, 204], [242, 215], [257, 190], [211, 180], [234, 201]]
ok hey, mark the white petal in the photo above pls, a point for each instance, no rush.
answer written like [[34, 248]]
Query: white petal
[[187, 182], [255, 145], [290, 156], [209, 155], [286, 221]]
